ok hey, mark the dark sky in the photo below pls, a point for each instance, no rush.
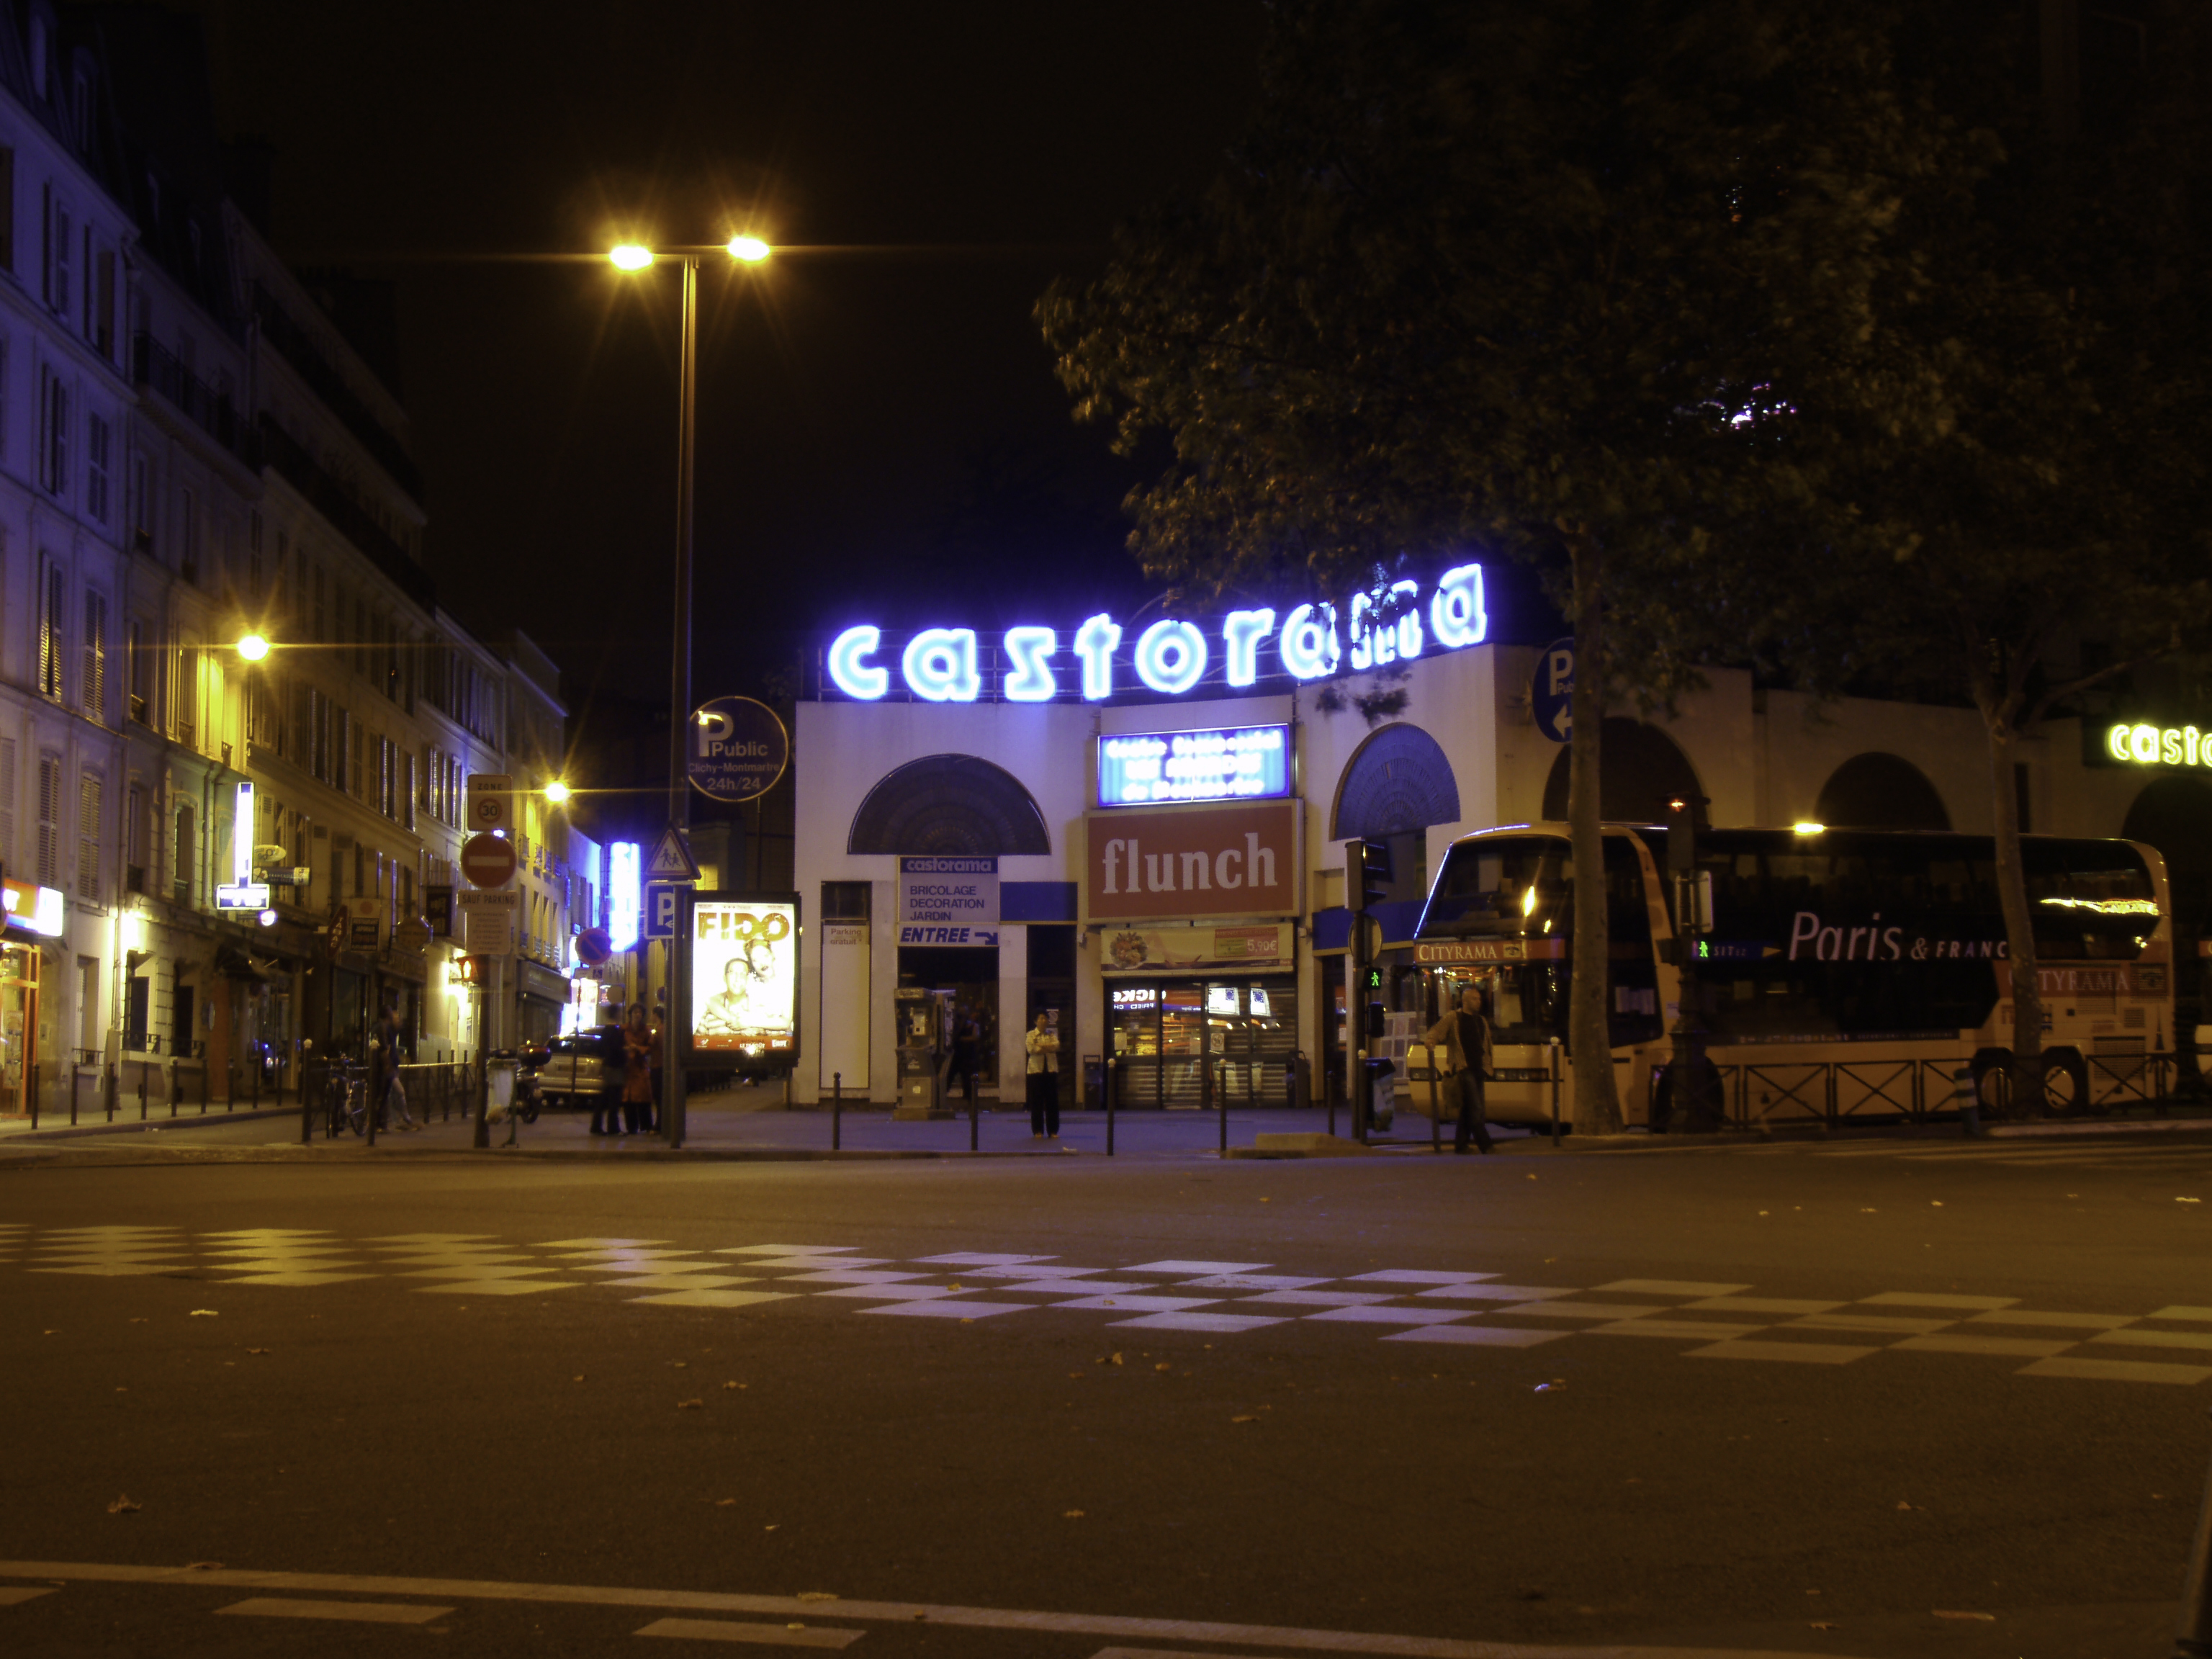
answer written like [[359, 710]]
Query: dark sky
[[879, 430]]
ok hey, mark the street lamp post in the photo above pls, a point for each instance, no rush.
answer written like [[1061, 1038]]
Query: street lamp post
[[632, 257]]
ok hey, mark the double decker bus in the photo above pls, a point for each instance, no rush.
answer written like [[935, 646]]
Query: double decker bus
[[1845, 974]]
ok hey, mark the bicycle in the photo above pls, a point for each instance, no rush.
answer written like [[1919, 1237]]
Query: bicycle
[[346, 1101]]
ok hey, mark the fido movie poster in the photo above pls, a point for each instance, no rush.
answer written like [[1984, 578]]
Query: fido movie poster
[[744, 975]]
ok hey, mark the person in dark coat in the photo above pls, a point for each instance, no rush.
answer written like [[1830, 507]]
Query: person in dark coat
[[1464, 1037]]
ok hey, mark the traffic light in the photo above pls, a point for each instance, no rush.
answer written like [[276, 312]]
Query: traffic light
[[1693, 901], [469, 971], [1366, 873]]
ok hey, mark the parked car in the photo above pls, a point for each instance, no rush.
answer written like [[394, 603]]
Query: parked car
[[584, 1069]]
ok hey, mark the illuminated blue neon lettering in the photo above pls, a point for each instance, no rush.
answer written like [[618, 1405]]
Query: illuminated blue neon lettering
[[1455, 613], [849, 667], [1373, 644], [1309, 645], [1410, 640], [1170, 656], [1096, 642], [1030, 651], [1240, 634], [940, 665]]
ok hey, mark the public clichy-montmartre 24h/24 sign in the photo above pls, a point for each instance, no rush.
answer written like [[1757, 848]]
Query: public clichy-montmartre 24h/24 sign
[[1171, 656]]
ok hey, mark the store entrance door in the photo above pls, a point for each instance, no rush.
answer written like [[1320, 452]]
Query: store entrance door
[[1186, 1045]]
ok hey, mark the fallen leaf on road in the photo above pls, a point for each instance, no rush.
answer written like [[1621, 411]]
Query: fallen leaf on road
[[50, 1333], [816, 1595], [794, 1624], [1266, 1201], [1863, 1211], [1984, 1618], [257, 1351], [967, 1321], [580, 1379], [1071, 1514], [1532, 1178], [203, 1566], [2189, 1200], [733, 1385], [1164, 1365], [1243, 1419], [122, 1506], [1935, 1203], [1076, 1377], [1902, 1504], [689, 1405], [1114, 1360], [957, 1285], [771, 1527], [142, 1321], [677, 1365], [1822, 1624], [724, 1503], [204, 1313]]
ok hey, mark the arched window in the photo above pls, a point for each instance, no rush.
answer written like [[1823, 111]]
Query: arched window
[[1640, 770], [950, 805], [1880, 792], [1396, 785]]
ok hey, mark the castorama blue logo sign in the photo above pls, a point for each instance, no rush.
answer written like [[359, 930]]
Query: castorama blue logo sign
[[1388, 623]]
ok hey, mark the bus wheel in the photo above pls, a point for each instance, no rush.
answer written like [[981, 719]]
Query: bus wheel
[[1992, 1069], [2066, 1082]]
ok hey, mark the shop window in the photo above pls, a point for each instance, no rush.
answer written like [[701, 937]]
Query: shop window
[[845, 900], [950, 805]]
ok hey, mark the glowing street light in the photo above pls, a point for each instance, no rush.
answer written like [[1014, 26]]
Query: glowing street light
[[750, 249], [630, 256], [556, 792], [253, 647]]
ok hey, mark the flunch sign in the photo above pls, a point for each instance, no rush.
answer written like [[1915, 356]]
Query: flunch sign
[[1393, 621], [1192, 862]]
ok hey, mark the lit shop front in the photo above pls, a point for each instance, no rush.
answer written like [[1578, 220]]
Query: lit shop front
[[1192, 912], [34, 915]]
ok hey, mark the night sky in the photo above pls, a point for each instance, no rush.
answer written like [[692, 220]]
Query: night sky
[[880, 433]]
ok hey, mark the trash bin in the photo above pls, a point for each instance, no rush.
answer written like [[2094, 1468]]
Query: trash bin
[[499, 1076], [1094, 1083], [1381, 1075]]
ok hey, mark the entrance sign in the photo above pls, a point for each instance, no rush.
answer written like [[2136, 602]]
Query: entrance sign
[[1192, 862], [671, 859], [1236, 762], [948, 901], [744, 973], [1552, 691], [736, 749], [1172, 656], [488, 860], [663, 907], [490, 802], [2155, 746]]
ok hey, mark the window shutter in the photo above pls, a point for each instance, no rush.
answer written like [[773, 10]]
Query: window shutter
[[50, 814], [8, 800], [88, 836], [95, 656]]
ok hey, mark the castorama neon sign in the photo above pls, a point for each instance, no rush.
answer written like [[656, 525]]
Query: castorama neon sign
[[1173, 656]]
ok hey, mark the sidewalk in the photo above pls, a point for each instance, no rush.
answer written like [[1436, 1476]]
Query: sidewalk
[[741, 1123]]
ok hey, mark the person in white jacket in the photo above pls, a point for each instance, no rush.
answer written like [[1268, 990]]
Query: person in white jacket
[[1042, 1045]]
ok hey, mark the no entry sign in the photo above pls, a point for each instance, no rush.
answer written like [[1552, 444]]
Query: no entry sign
[[488, 861]]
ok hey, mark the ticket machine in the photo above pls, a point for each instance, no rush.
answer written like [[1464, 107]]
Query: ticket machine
[[925, 1050]]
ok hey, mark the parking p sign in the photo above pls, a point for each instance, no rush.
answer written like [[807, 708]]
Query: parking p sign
[[663, 908]]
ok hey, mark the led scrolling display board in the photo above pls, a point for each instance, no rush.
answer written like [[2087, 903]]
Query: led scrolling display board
[[1172, 656], [1236, 762]]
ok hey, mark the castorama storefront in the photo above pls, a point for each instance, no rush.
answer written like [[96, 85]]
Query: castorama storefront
[[1139, 831]]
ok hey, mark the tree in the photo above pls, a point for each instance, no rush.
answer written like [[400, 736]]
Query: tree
[[2016, 447], [1527, 275]]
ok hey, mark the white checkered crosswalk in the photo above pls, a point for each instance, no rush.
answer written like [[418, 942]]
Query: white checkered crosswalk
[[2171, 1344]]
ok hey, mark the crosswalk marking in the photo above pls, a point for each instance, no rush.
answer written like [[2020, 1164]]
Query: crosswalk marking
[[2118, 1370]]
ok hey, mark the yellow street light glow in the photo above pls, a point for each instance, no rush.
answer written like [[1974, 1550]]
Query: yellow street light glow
[[1529, 900], [556, 792], [630, 256], [1809, 828], [253, 647], [750, 249]]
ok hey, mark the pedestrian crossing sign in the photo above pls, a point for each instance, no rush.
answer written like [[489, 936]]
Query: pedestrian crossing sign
[[671, 858]]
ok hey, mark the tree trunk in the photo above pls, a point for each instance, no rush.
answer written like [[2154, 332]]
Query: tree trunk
[[2020, 929], [1596, 1103]]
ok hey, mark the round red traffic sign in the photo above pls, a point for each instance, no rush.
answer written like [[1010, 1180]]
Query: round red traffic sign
[[594, 946], [488, 861]]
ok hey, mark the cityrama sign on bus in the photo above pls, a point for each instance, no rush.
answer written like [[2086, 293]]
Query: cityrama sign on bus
[[1393, 622]]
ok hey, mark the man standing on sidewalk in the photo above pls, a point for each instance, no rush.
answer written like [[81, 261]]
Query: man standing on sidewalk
[[1465, 1033], [391, 1093]]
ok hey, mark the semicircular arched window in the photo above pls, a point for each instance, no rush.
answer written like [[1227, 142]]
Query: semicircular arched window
[[1398, 781], [1876, 791], [949, 805]]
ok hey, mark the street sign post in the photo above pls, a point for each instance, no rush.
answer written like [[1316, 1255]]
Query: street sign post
[[671, 859], [488, 860], [736, 749], [490, 802], [663, 907], [1552, 691]]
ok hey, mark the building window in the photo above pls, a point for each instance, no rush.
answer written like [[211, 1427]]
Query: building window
[[189, 552], [188, 696], [7, 208], [50, 820], [140, 506], [56, 432], [50, 635], [93, 690], [57, 252], [407, 789], [182, 865], [88, 836], [138, 663], [96, 436], [136, 829]]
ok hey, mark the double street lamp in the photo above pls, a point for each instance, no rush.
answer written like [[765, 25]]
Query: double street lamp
[[635, 256]]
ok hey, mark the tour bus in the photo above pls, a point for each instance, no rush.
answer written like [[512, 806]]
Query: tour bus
[[1846, 973]]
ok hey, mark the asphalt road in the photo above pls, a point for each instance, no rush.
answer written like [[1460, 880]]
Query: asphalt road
[[1794, 1400]]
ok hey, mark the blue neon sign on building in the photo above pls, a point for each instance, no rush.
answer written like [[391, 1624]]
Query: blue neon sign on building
[[1238, 763]]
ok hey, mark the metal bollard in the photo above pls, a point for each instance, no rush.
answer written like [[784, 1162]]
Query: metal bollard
[[1555, 1067], [1221, 1100], [836, 1111], [73, 1083], [2192, 1637], [175, 1085], [34, 1098], [256, 1105], [203, 1088], [143, 1065], [307, 1116], [972, 1119], [1968, 1104], [110, 1092], [375, 1108], [1436, 1124]]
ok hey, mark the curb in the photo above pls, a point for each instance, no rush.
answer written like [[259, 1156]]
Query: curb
[[41, 1137]]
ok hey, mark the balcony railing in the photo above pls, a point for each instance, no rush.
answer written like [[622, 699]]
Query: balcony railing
[[298, 348], [152, 365], [328, 497]]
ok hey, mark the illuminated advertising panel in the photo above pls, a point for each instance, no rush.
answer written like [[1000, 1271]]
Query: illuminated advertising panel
[[1391, 620], [1238, 763], [744, 975], [625, 894]]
